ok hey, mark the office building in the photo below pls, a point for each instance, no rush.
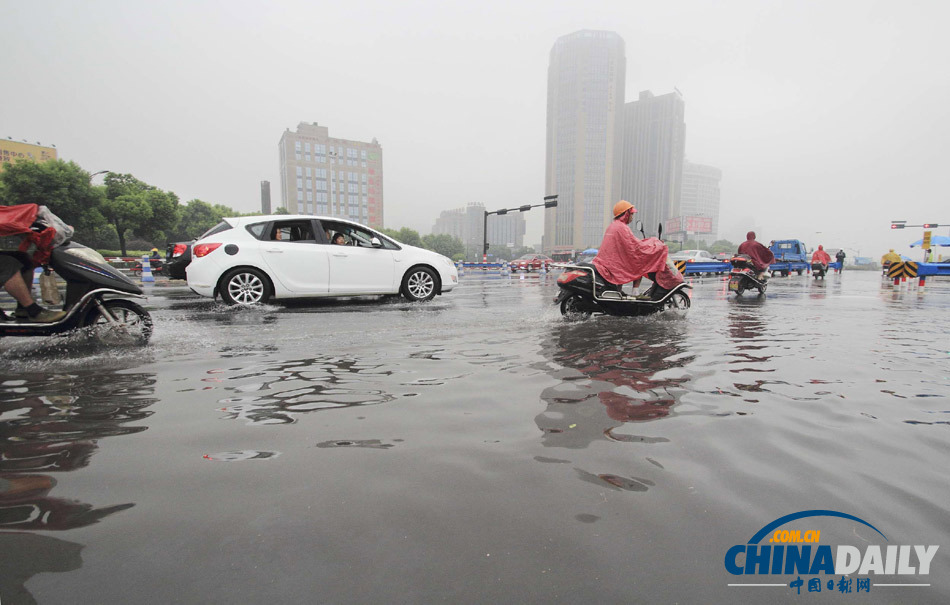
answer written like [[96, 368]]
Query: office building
[[331, 177], [700, 198], [466, 224], [584, 138], [265, 197], [654, 143]]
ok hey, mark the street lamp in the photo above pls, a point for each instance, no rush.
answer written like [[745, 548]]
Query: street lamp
[[550, 201], [97, 173]]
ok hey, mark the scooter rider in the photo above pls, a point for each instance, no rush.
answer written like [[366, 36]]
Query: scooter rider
[[761, 256], [14, 275], [820, 256], [623, 258]]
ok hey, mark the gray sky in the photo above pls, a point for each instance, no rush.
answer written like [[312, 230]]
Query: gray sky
[[827, 116]]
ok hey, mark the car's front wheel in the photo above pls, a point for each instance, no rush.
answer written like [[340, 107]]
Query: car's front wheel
[[419, 284], [245, 286]]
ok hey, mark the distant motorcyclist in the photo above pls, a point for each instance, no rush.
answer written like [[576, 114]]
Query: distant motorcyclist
[[820, 256], [623, 258], [761, 256]]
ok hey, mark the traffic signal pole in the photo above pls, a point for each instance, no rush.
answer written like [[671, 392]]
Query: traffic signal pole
[[550, 201]]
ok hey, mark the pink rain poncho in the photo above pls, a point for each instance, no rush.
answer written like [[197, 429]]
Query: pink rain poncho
[[820, 256], [623, 258], [761, 256]]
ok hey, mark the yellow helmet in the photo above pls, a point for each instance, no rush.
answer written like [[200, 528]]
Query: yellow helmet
[[621, 207]]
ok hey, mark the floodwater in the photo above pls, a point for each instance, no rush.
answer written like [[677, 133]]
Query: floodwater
[[477, 448]]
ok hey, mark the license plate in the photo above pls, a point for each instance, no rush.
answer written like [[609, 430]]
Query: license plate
[[733, 285]]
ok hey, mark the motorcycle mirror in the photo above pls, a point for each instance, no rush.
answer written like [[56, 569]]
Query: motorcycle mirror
[[659, 231], [640, 227]]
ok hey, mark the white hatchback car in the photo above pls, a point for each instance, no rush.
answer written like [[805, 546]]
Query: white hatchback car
[[253, 259]]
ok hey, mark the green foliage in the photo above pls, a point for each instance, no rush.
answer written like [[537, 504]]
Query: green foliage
[[281, 210], [407, 236], [198, 216], [131, 204], [444, 244], [723, 245], [61, 186]]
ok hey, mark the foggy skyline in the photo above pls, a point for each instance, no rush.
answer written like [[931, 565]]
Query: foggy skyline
[[824, 117]]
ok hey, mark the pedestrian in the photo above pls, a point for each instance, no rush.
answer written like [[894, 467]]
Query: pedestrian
[[840, 258]]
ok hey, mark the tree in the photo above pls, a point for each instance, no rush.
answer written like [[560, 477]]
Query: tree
[[61, 186], [131, 204], [444, 244], [723, 245], [407, 236], [281, 210], [198, 216]]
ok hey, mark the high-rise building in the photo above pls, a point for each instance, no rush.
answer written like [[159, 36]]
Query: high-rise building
[[584, 137], [654, 144], [331, 177], [700, 198], [504, 231], [265, 197]]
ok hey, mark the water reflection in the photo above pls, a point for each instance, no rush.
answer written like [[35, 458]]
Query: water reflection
[[612, 373], [25, 555], [277, 393], [56, 432]]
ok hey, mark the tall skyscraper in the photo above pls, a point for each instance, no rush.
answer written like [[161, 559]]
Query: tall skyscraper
[[331, 177], [654, 144], [265, 197], [700, 198], [584, 137]]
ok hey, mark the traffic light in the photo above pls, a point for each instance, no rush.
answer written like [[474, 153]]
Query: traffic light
[[525, 208], [930, 225], [897, 225], [550, 204]]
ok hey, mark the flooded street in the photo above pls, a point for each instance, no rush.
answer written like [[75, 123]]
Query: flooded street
[[474, 449]]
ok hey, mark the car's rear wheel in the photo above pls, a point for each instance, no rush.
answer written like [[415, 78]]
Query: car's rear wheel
[[245, 286], [419, 284]]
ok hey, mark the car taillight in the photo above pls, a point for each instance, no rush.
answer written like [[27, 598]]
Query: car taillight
[[204, 249], [568, 276], [179, 249]]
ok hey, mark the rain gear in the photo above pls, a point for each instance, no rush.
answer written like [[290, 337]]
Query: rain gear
[[820, 256], [890, 257], [623, 258], [761, 256]]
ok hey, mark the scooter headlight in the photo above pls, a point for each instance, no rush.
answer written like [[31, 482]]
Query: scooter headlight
[[87, 254]]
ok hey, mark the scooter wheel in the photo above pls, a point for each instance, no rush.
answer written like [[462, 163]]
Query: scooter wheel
[[676, 302], [132, 319], [574, 309]]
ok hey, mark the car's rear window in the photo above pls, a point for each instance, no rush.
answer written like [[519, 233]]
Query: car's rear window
[[222, 226], [257, 229]]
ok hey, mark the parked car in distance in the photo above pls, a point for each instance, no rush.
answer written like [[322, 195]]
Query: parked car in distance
[[530, 262], [177, 257], [693, 256], [724, 256], [253, 259]]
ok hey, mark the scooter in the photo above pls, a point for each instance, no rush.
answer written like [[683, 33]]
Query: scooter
[[96, 296], [744, 277], [819, 270], [583, 292]]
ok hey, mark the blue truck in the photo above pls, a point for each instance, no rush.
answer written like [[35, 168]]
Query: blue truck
[[790, 255]]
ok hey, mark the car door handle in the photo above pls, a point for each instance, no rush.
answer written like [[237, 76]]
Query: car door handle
[[277, 250], [340, 254]]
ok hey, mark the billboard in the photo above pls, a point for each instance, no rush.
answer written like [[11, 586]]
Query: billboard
[[688, 224], [12, 151]]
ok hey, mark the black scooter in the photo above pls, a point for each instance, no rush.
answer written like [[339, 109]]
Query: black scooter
[[96, 296], [819, 270], [583, 292], [744, 276]]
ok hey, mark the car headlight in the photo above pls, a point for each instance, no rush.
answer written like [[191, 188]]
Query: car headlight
[[87, 254], [448, 261]]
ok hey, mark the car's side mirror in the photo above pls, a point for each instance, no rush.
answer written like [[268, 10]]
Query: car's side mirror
[[376, 243]]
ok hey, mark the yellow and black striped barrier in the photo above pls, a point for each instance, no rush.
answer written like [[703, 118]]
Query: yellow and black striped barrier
[[895, 270], [681, 266], [910, 269]]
